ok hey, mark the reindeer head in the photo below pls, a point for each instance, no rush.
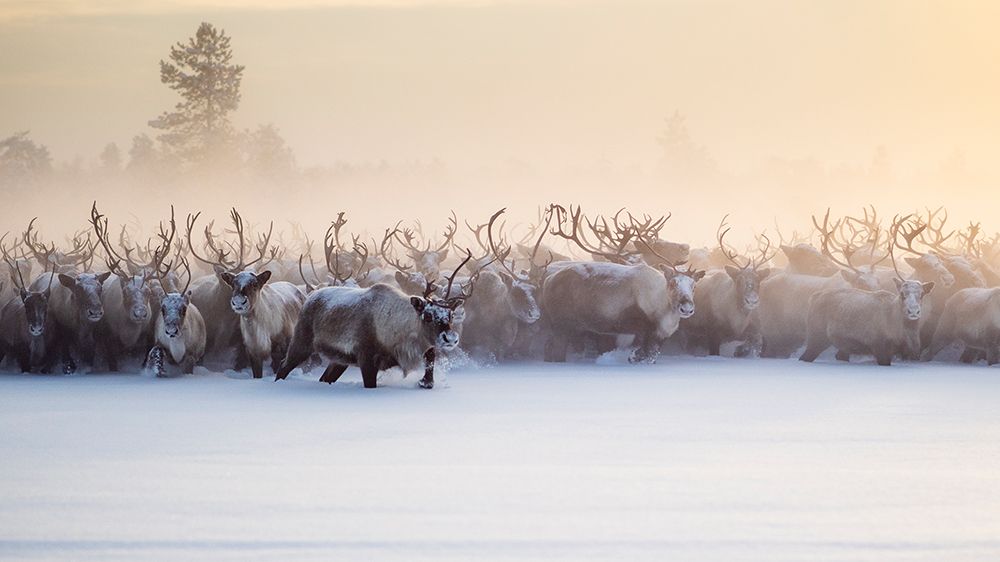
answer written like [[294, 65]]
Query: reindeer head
[[523, 297], [436, 320], [136, 293], [806, 259], [930, 266], [87, 290], [36, 307], [173, 310], [246, 287], [680, 289], [911, 295]]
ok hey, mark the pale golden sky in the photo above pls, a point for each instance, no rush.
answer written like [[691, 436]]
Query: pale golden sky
[[546, 81]]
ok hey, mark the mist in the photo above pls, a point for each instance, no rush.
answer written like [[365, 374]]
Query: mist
[[407, 111]]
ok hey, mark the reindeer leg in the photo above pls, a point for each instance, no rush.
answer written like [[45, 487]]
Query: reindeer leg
[[843, 356], [555, 348], [23, 360], [714, 344], [429, 358], [154, 359], [369, 373], [257, 366], [332, 373], [992, 353], [187, 365], [883, 356]]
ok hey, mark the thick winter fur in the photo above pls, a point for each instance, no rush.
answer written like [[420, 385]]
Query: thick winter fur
[[878, 323], [494, 313], [784, 308], [267, 314], [28, 332], [128, 319], [77, 307], [211, 297], [375, 328], [179, 335], [605, 298], [973, 317], [725, 301]]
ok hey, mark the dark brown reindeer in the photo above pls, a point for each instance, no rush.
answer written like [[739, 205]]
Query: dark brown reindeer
[[376, 328], [27, 331]]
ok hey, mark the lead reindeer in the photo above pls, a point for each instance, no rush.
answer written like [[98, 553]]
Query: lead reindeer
[[179, 332], [726, 300], [608, 298], [376, 329], [879, 323]]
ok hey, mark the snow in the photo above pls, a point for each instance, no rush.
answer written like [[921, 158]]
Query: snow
[[688, 459]]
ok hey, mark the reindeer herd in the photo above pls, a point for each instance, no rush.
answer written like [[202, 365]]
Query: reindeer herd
[[568, 283]]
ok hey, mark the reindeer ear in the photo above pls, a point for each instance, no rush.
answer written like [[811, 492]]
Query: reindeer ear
[[418, 304], [733, 271], [787, 250], [763, 273], [444, 254], [263, 276], [187, 297], [226, 277], [848, 275], [507, 279], [928, 287], [899, 283], [218, 269], [698, 275], [66, 280], [400, 278], [103, 277]]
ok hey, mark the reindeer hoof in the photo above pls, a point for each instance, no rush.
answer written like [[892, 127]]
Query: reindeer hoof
[[426, 384]]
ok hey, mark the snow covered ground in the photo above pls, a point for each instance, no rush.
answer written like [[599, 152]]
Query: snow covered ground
[[690, 459]]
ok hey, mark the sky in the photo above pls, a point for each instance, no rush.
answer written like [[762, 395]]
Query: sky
[[535, 81], [548, 83]]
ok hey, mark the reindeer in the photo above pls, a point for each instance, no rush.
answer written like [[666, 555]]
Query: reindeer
[[504, 301], [129, 297], [879, 323], [428, 261], [266, 312], [376, 329], [211, 295], [179, 333], [75, 303], [783, 319], [608, 298], [26, 329], [726, 301]]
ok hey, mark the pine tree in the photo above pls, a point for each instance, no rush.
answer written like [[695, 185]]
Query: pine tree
[[198, 130]]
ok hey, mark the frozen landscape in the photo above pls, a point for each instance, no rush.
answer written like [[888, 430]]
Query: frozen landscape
[[688, 459]]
